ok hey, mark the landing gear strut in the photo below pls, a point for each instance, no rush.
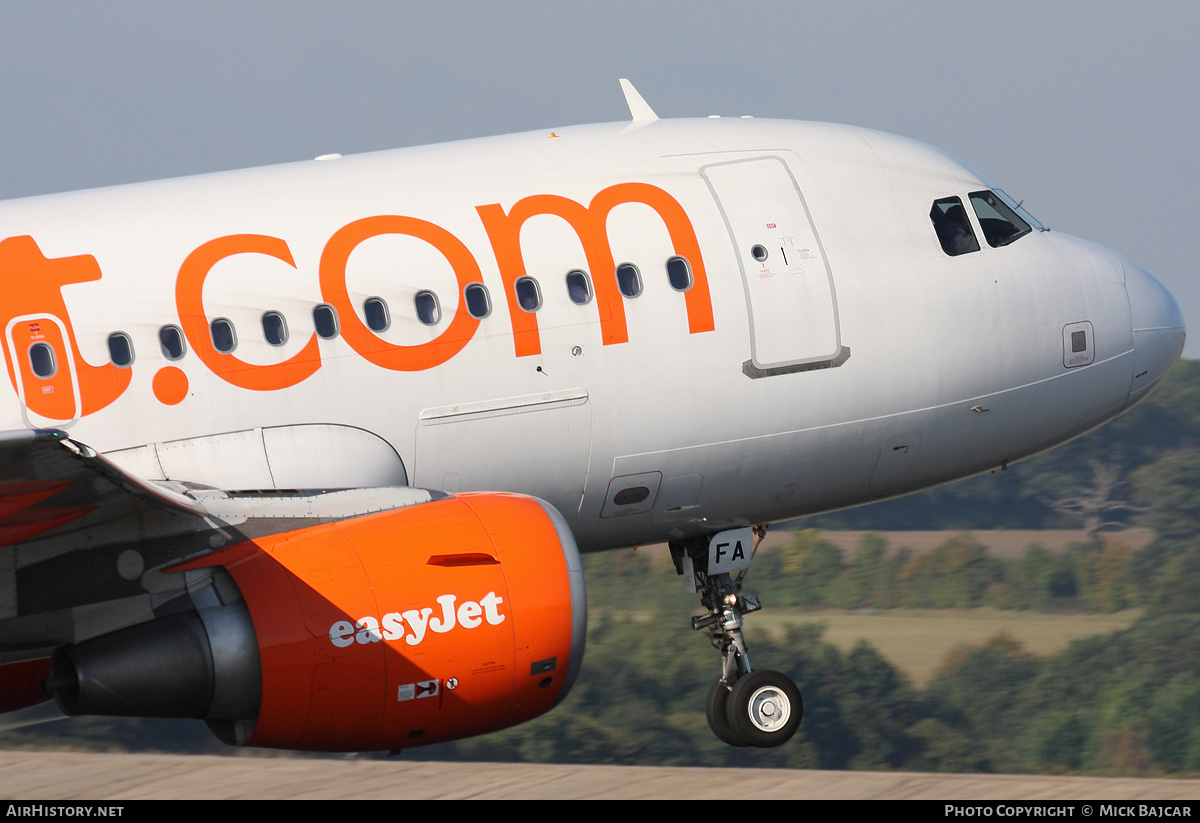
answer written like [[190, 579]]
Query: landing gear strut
[[744, 707]]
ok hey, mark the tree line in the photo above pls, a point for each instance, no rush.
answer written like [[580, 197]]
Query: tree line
[[958, 574]]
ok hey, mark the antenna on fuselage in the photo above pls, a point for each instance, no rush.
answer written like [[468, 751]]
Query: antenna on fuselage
[[638, 108]]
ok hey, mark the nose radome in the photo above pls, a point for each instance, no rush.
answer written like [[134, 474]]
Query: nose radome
[[1158, 329]]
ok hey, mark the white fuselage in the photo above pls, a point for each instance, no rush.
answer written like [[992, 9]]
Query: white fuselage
[[857, 361]]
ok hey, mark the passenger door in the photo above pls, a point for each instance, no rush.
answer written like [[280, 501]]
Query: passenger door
[[790, 296]]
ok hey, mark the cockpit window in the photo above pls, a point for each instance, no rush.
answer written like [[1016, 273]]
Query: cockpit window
[[1001, 225], [952, 226], [1019, 209]]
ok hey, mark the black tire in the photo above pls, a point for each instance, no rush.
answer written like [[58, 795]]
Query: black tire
[[765, 708], [715, 709]]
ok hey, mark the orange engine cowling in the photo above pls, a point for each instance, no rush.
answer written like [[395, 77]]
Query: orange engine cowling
[[442, 620]]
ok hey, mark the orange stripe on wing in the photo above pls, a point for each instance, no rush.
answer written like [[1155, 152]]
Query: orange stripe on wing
[[27, 525], [21, 494]]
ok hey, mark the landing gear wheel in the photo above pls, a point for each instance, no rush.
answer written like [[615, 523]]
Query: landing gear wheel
[[717, 711], [765, 708]]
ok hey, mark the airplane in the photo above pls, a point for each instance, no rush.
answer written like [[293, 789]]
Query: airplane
[[311, 451]]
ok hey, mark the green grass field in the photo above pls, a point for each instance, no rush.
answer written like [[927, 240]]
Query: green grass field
[[917, 641]]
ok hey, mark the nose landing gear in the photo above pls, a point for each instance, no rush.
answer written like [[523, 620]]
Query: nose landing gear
[[744, 707]]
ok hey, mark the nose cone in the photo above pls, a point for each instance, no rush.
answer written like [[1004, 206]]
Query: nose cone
[[1158, 330]]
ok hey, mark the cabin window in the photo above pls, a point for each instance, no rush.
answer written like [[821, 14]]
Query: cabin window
[[629, 280], [529, 295], [428, 310], [325, 321], [579, 288], [41, 360], [120, 349], [479, 304], [679, 273], [170, 340], [1001, 225], [953, 227], [376, 311], [224, 339], [274, 328]]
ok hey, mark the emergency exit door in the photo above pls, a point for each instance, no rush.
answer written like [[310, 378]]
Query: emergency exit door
[[41, 364]]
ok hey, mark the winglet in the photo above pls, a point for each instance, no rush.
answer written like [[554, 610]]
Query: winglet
[[638, 107]]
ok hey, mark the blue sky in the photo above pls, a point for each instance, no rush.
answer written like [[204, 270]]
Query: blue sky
[[1085, 110]]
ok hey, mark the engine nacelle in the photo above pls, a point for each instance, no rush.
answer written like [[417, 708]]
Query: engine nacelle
[[442, 620]]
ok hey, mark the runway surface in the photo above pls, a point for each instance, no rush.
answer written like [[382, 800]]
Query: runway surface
[[62, 776]]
